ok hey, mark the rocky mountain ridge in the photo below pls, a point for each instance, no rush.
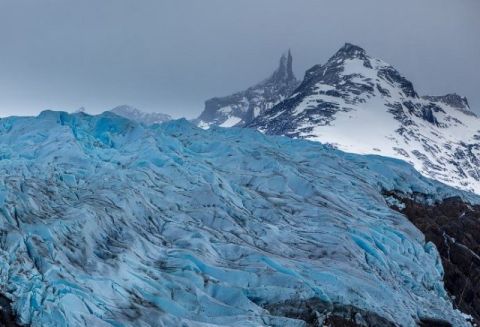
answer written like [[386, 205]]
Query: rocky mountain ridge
[[240, 108], [363, 105], [148, 118]]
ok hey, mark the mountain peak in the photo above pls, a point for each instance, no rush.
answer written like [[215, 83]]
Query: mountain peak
[[351, 51], [147, 118], [125, 109], [362, 104], [242, 107], [284, 71]]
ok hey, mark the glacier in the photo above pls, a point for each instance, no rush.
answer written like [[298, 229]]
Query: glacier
[[107, 222]]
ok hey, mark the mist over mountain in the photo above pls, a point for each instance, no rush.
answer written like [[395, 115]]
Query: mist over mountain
[[69, 55]]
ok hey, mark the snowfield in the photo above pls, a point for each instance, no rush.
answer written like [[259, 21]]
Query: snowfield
[[106, 222]]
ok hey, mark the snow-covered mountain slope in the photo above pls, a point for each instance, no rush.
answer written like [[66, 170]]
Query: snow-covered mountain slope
[[363, 105], [147, 118], [106, 222], [240, 108]]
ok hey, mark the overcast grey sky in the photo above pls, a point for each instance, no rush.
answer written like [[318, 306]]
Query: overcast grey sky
[[170, 56]]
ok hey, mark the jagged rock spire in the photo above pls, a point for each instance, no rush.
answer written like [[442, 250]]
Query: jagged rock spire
[[290, 65], [241, 108], [285, 68]]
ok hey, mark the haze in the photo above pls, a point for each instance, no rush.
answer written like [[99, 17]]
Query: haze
[[170, 56]]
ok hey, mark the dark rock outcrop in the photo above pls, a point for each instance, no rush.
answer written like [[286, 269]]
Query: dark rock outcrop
[[7, 318], [453, 100], [454, 227], [315, 312]]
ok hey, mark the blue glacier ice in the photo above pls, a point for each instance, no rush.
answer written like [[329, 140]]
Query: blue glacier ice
[[106, 222]]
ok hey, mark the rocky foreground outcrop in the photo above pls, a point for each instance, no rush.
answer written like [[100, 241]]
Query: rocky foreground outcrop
[[453, 225]]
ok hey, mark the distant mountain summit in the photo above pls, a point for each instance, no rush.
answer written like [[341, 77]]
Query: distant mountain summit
[[363, 105], [241, 108], [147, 118]]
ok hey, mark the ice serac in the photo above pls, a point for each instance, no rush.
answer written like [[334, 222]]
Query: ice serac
[[363, 105], [240, 108], [107, 222], [147, 118]]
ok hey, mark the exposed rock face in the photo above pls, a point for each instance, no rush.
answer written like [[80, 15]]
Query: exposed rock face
[[453, 100], [241, 108], [335, 321], [454, 227], [315, 312], [363, 105], [147, 118], [7, 318]]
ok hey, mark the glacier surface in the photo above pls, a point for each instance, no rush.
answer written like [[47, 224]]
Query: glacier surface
[[106, 222]]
